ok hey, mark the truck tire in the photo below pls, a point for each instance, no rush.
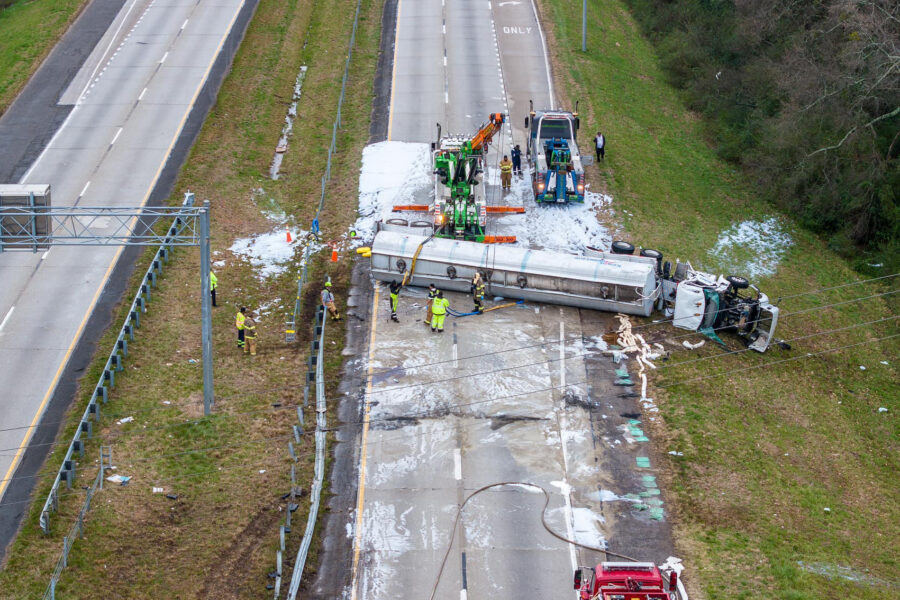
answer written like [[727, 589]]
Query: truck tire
[[738, 282], [620, 247], [649, 253]]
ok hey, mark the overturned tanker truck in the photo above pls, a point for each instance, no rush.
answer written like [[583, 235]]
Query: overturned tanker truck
[[616, 281]]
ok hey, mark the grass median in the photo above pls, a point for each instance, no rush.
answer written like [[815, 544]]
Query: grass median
[[28, 32], [216, 536], [787, 484]]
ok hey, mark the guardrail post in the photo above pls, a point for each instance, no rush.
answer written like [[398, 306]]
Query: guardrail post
[[110, 377], [94, 408], [122, 345], [145, 290], [103, 393], [129, 330], [78, 446], [87, 428]]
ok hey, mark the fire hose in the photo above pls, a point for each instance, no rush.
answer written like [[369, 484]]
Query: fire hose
[[546, 525]]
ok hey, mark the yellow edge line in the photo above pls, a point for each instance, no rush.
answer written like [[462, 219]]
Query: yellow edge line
[[361, 494], [40, 412], [394, 72]]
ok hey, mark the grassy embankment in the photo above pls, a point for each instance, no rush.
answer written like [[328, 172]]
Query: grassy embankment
[[768, 450], [28, 31], [218, 538]]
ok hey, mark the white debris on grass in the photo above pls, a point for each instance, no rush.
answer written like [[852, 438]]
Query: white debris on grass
[[882, 409], [392, 173], [269, 253], [752, 248]]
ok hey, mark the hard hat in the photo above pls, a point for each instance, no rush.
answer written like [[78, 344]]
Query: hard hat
[[327, 284]]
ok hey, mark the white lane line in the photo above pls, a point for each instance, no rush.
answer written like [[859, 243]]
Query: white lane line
[[163, 59], [183, 25], [44, 256], [446, 98], [141, 97], [102, 56], [457, 464], [463, 595], [563, 430], [115, 137], [546, 55], [562, 356], [84, 189], [445, 61], [455, 356], [6, 318]]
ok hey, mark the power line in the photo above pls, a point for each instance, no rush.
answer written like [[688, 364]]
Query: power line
[[772, 364], [803, 337]]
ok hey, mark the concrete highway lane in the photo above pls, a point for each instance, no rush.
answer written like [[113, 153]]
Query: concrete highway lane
[[131, 101]]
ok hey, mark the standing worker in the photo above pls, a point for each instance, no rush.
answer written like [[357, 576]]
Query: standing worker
[[328, 302], [250, 329], [239, 321], [213, 284], [478, 293], [506, 168], [395, 300], [439, 312], [432, 294], [600, 143], [517, 160]]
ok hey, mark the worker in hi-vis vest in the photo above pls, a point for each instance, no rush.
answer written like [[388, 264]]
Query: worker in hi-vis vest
[[395, 299], [439, 312], [239, 320], [213, 284]]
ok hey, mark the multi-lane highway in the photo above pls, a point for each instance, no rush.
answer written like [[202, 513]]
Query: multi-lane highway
[[130, 102], [521, 394]]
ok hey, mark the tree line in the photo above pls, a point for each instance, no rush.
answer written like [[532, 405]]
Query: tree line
[[805, 96]]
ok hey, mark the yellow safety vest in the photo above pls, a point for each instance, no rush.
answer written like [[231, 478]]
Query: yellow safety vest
[[213, 281], [439, 307], [239, 321]]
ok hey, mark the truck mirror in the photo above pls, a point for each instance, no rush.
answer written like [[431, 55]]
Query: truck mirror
[[526, 122]]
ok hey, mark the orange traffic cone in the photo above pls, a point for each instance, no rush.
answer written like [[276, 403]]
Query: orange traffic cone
[[334, 255], [289, 240]]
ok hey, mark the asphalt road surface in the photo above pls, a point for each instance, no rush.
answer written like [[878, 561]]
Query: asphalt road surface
[[519, 394], [130, 102]]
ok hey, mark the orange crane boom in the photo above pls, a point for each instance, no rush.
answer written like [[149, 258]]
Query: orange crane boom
[[484, 135]]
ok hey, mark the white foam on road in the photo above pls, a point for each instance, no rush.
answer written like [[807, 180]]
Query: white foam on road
[[752, 248], [391, 173]]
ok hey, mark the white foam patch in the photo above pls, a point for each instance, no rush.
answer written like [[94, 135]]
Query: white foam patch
[[752, 248], [586, 526], [391, 173], [270, 253]]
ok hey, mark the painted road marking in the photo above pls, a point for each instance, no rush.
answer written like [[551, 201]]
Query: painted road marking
[[457, 464], [85, 188], [183, 25], [141, 97], [163, 59], [44, 256], [115, 137], [517, 30], [393, 78], [361, 493], [6, 318], [40, 409]]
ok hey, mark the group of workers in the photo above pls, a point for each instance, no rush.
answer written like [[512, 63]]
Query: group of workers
[[436, 306], [246, 328]]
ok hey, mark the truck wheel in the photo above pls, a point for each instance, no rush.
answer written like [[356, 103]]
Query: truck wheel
[[620, 247], [738, 282]]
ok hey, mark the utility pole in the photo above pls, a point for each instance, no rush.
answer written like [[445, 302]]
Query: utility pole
[[206, 311], [584, 25]]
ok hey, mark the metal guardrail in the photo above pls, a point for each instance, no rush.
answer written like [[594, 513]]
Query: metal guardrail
[[290, 330], [77, 529], [114, 364]]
